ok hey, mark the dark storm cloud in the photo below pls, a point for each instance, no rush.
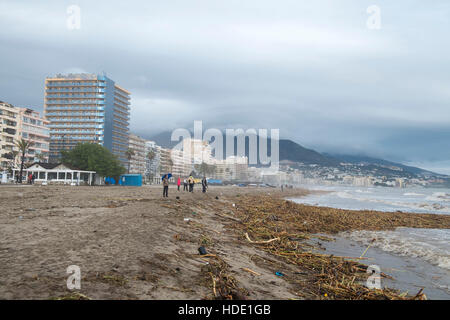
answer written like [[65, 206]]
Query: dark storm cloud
[[312, 69]]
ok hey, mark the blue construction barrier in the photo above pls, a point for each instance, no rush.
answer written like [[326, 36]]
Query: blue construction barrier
[[131, 180], [214, 181], [109, 180]]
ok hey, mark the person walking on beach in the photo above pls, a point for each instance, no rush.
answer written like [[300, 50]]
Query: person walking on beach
[[179, 183], [191, 184], [185, 185], [165, 187], [204, 184]]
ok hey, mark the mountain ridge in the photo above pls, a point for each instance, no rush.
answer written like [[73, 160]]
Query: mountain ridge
[[292, 151]]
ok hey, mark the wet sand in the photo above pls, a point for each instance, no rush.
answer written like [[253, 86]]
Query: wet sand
[[130, 243]]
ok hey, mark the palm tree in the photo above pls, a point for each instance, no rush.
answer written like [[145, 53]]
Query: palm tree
[[203, 169], [41, 157], [151, 155], [12, 157], [212, 170], [23, 146], [129, 153], [160, 169]]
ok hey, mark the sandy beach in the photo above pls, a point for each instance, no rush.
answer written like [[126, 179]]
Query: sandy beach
[[130, 243]]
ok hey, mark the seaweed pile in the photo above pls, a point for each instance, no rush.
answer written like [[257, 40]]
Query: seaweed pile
[[292, 217], [280, 228], [223, 285]]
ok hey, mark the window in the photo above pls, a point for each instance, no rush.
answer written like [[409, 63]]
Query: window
[[52, 176]]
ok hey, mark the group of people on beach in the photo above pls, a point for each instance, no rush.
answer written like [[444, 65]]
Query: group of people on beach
[[188, 185], [30, 178]]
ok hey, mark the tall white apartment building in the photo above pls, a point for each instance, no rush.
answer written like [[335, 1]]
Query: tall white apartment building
[[34, 128], [138, 160]]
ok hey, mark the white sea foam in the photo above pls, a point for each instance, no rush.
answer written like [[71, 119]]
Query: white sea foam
[[413, 194], [387, 199], [430, 245], [439, 196], [363, 191], [345, 195]]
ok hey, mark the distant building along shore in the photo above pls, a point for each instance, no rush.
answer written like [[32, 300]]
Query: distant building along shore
[[22, 123]]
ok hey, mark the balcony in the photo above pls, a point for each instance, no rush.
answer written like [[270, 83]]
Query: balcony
[[75, 96], [9, 131], [73, 114], [77, 120], [68, 109], [71, 139], [73, 102], [52, 84], [75, 90], [62, 126], [72, 132]]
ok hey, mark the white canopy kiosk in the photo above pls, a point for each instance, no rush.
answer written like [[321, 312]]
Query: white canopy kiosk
[[56, 173]]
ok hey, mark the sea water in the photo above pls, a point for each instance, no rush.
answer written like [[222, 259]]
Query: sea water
[[425, 252], [418, 200]]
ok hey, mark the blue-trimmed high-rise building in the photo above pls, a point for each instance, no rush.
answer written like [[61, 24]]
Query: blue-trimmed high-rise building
[[87, 108]]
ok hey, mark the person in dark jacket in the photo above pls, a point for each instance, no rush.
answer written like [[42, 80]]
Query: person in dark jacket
[[204, 184], [191, 182], [165, 187]]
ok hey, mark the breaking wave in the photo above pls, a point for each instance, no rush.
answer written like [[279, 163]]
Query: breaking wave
[[439, 196], [438, 202], [413, 194], [431, 245]]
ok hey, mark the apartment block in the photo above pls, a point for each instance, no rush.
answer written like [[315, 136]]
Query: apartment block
[[182, 164], [138, 160], [165, 162], [87, 108], [34, 128], [9, 133], [232, 168], [198, 150]]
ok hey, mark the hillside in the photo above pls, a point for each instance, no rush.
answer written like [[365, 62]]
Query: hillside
[[365, 160], [295, 153], [289, 150]]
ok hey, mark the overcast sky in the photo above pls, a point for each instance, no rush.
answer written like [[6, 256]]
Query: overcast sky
[[313, 69]]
